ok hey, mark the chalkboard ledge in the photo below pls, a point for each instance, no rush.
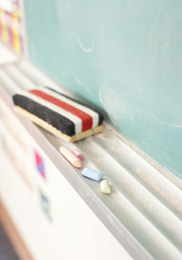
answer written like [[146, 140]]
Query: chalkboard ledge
[[143, 201]]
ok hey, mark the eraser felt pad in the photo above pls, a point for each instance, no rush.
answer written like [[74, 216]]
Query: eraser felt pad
[[58, 113]]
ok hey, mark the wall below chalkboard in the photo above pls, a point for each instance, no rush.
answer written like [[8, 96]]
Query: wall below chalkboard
[[124, 56]]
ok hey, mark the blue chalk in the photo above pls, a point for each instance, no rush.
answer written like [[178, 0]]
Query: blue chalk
[[94, 175]]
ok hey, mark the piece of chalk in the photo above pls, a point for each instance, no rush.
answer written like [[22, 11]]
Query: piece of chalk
[[94, 175], [70, 157], [77, 153], [105, 187]]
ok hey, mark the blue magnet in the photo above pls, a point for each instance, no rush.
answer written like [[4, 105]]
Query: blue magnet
[[94, 175]]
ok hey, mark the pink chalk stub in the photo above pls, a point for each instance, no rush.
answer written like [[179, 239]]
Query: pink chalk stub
[[78, 154]]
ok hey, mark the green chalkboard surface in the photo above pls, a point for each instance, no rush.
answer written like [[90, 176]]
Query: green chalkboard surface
[[124, 56]]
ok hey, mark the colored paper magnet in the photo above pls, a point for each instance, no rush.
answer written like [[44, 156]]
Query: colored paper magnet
[[45, 205], [40, 165]]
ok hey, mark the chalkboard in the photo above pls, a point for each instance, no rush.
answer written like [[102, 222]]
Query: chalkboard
[[124, 56]]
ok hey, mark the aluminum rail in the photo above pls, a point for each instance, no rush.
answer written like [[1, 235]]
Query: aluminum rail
[[144, 211]]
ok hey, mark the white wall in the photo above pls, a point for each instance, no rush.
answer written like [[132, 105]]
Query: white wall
[[69, 230]]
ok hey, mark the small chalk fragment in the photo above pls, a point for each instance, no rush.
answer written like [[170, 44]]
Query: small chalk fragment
[[70, 157], [105, 187], [94, 175], [78, 154]]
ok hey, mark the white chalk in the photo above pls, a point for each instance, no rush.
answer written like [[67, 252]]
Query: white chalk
[[105, 187], [94, 175], [78, 154], [70, 157]]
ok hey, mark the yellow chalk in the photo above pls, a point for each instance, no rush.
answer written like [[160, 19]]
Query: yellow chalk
[[105, 187]]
